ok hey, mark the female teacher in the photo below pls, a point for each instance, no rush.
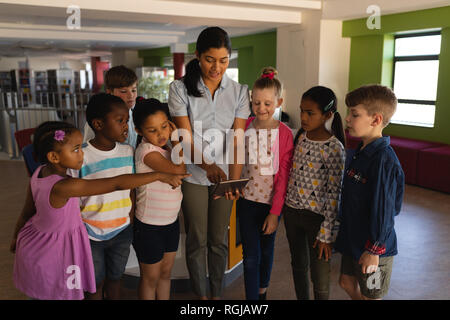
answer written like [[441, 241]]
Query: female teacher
[[205, 97]]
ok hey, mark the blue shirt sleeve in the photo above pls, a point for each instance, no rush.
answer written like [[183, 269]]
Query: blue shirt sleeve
[[178, 100], [243, 109], [387, 199]]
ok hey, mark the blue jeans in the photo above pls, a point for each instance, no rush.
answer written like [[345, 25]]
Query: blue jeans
[[111, 256], [257, 248]]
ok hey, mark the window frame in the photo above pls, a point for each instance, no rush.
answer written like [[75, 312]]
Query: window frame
[[414, 58]]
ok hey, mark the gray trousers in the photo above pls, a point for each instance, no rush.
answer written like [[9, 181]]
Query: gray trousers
[[302, 227], [206, 224]]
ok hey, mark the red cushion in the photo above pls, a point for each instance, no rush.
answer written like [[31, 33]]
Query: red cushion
[[434, 168], [407, 143], [407, 151]]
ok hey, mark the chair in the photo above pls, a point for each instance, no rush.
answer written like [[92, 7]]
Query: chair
[[28, 157], [23, 137]]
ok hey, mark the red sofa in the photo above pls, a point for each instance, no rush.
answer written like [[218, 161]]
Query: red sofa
[[425, 163], [434, 168], [407, 151]]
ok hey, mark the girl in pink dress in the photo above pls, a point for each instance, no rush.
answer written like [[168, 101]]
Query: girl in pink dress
[[53, 255]]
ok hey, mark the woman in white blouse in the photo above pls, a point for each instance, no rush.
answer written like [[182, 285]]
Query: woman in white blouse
[[203, 99]]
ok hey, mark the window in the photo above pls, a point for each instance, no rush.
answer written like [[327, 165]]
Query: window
[[416, 69]]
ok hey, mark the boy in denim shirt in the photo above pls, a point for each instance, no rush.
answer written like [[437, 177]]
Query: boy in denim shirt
[[373, 187]]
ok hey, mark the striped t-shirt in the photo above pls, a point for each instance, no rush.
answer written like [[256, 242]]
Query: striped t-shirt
[[156, 203], [106, 215]]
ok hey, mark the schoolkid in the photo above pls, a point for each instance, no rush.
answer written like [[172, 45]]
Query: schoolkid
[[121, 82], [314, 188], [156, 226], [269, 146], [373, 189]]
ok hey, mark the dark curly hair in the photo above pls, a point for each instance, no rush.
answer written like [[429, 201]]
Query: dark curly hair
[[100, 105], [44, 138], [145, 108]]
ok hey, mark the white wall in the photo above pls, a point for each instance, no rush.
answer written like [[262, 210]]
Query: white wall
[[298, 61], [334, 61], [128, 58], [309, 55]]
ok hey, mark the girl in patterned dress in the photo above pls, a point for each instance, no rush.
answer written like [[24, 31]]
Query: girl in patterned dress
[[313, 191], [268, 147]]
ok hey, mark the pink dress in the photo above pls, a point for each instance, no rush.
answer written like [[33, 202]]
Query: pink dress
[[53, 256]]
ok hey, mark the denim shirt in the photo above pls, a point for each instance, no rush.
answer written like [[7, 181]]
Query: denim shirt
[[373, 187], [231, 100]]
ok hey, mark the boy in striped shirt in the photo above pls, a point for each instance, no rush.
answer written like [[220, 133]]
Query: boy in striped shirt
[[107, 217]]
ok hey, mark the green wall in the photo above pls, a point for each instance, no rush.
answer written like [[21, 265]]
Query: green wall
[[254, 52], [259, 51], [371, 61]]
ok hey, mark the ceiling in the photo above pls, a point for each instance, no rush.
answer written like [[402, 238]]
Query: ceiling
[[38, 27], [42, 27]]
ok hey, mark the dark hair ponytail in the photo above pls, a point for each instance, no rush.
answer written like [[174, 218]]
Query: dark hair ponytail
[[337, 128], [192, 77], [327, 102], [44, 138], [212, 37]]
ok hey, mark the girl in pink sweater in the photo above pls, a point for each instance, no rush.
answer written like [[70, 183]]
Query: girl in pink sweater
[[268, 148]]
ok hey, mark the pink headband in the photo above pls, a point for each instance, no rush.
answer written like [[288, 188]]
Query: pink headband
[[268, 75]]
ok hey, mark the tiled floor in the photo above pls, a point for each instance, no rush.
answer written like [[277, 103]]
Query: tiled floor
[[421, 269]]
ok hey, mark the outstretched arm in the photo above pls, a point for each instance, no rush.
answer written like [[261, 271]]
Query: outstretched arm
[[73, 187]]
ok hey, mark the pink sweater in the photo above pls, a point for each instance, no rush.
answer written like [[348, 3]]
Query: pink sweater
[[280, 180]]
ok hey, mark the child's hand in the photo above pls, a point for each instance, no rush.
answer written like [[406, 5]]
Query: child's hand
[[175, 180], [369, 262], [12, 247], [270, 224], [324, 248]]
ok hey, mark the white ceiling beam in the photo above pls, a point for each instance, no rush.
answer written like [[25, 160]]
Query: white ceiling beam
[[299, 4], [218, 12], [41, 27], [80, 35]]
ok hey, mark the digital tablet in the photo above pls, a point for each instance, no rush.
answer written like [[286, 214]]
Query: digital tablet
[[229, 185]]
